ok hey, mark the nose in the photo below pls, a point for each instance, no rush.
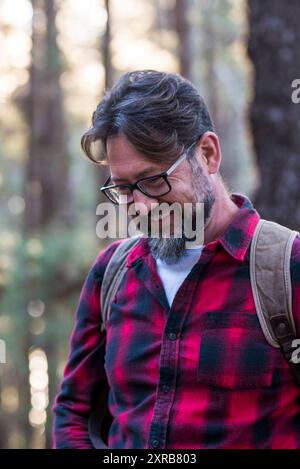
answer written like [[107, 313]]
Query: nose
[[143, 203]]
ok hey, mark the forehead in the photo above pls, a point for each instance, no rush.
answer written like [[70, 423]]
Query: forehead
[[126, 162]]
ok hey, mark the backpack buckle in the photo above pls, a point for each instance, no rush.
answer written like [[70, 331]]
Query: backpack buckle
[[282, 328]]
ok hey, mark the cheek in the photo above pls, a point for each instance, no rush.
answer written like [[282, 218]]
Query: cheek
[[186, 192], [181, 194], [182, 190]]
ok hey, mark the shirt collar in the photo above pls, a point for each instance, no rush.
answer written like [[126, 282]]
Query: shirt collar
[[235, 240], [238, 235]]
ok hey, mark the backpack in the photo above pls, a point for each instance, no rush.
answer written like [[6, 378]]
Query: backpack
[[270, 254]]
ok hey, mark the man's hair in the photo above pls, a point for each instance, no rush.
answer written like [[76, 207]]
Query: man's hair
[[161, 114]]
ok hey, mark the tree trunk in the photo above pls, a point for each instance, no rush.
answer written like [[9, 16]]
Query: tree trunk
[[211, 42], [183, 27], [46, 190], [109, 78], [106, 49], [273, 49]]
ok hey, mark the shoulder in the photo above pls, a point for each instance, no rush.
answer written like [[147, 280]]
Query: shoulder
[[103, 259], [99, 266], [295, 257], [295, 280]]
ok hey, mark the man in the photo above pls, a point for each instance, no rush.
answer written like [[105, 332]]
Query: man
[[184, 355]]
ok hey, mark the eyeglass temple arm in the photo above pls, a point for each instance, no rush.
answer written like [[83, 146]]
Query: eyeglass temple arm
[[174, 166]]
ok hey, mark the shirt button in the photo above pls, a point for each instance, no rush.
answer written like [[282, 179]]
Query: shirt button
[[166, 388], [155, 443], [172, 336]]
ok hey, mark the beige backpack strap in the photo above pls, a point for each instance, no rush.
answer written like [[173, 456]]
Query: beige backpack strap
[[270, 255], [114, 272]]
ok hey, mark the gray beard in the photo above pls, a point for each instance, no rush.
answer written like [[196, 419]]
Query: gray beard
[[171, 250], [168, 250]]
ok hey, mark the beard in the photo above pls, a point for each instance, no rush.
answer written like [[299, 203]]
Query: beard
[[171, 250]]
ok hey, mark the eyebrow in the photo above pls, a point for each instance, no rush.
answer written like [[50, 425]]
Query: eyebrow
[[139, 175]]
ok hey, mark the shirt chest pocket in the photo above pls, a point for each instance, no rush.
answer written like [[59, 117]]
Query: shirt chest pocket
[[234, 353]]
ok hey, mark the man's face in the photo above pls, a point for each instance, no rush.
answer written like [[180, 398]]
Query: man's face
[[190, 183]]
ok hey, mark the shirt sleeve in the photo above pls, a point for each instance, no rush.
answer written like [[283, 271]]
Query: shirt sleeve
[[84, 373]]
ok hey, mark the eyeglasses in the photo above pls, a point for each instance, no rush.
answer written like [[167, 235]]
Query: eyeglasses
[[151, 186]]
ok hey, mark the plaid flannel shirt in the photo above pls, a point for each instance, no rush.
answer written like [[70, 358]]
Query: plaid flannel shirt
[[197, 375]]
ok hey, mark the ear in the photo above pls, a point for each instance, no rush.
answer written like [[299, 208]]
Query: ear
[[208, 149]]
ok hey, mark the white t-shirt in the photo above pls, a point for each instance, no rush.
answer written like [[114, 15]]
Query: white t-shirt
[[173, 275]]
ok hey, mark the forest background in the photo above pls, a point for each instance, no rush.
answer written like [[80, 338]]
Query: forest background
[[56, 60]]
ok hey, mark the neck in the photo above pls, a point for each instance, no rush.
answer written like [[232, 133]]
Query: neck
[[222, 214]]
